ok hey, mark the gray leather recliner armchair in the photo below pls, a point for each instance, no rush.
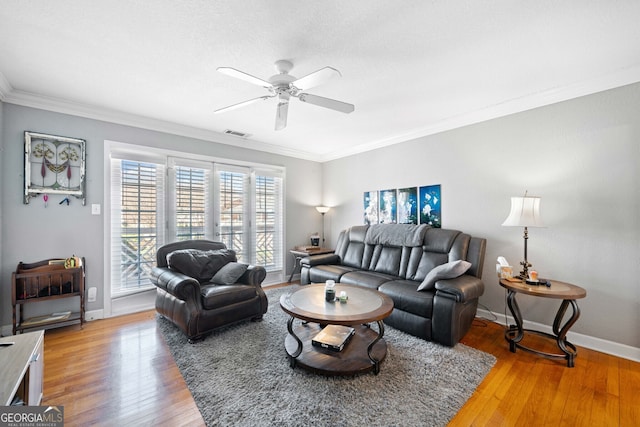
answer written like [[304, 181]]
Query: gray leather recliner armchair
[[196, 305]]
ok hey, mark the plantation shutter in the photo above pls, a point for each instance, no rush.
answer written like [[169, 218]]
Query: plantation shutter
[[232, 215], [137, 222], [269, 219], [190, 200]]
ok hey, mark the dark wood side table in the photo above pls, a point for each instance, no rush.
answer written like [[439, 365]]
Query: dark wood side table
[[300, 252], [568, 293]]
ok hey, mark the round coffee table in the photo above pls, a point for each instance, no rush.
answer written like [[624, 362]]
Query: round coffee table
[[367, 348]]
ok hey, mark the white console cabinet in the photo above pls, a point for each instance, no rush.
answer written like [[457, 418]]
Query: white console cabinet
[[22, 369]]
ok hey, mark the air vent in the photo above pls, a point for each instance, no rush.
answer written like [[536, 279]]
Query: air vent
[[236, 133]]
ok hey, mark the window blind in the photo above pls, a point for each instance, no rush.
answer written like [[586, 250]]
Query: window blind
[[232, 209], [268, 230], [137, 223], [190, 200]]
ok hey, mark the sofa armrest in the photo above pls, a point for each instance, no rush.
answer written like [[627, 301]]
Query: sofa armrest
[[254, 276], [177, 284], [322, 259], [462, 289]]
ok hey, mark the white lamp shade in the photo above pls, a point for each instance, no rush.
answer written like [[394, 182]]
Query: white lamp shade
[[525, 212], [323, 209]]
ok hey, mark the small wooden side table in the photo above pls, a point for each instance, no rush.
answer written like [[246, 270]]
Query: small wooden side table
[[568, 293], [300, 252]]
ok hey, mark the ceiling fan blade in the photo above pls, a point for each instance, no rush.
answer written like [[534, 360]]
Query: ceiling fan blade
[[282, 111], [242, 104], [244, 76], [321, 101], [316, 78]]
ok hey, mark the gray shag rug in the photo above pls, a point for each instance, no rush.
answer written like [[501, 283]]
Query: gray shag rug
[[240, 376]]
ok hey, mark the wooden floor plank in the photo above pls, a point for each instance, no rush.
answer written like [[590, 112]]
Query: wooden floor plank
[[119, 371], [116, 372]]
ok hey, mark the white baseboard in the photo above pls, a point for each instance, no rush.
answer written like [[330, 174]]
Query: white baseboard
[[6, 330], [93, 315], [592, 343]]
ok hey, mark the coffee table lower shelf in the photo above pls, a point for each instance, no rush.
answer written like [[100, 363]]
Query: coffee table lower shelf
[[352, 360]]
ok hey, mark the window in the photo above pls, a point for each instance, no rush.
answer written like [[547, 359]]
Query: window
[[249, 214], [190, 203], [157, 198], [269, 221], [232, 213], [137, 219], [189, 200]]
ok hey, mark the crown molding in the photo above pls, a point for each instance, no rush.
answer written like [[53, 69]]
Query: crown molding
[[620, 78], [623, 77], [26, 99]]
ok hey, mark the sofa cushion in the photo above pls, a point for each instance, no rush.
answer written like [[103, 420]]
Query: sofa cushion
[[367, 279], [350, 246], [216, 296], [229, 273], [449, 270], [201, 265], [386, 259], [406, 297], [322, 273]]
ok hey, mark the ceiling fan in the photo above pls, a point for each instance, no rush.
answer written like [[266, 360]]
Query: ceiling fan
[[284, 86]]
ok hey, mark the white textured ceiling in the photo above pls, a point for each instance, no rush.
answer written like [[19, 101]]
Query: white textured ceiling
[[411, 68]]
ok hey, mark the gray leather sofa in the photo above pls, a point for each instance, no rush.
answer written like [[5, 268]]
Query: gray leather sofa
[[189, 295], [395, 259]]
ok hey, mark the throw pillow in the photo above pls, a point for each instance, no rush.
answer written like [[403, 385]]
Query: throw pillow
[[229, 274], [201, 265], [449, 270]]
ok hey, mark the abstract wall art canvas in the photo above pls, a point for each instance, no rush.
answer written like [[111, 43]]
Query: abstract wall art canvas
[[431, 206], [388, 207], [408, 205], [370, 207]]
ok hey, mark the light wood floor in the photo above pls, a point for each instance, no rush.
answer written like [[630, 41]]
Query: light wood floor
[[119, 372]]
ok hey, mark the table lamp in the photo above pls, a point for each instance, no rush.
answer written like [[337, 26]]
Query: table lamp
[[525, 212], [323, 210]]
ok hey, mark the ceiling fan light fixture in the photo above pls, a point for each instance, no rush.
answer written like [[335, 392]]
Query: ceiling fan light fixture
[[283, 85]]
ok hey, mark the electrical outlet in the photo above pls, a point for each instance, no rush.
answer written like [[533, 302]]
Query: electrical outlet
[[92, 294]]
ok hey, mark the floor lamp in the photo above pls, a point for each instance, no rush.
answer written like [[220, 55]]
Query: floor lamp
[[323, 210], [525, 212]]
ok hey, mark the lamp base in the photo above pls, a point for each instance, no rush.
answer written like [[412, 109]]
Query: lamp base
[[524, 274]]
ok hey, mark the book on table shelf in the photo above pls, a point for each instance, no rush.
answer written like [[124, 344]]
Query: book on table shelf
[[34, 321], [333, 337]]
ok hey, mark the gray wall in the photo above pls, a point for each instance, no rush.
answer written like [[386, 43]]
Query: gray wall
[[581, 156], [32, 232]]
